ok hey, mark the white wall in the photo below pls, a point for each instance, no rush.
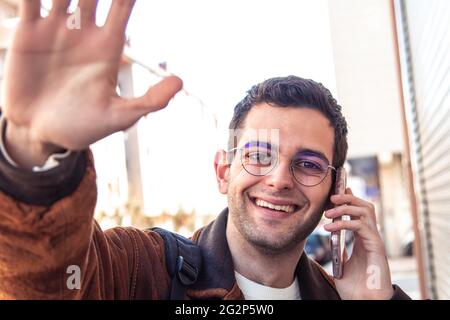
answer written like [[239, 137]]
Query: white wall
[[366, 78]]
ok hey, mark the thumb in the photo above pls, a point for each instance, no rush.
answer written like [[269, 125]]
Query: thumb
[[125, 112], [348, 191], [157, 97]]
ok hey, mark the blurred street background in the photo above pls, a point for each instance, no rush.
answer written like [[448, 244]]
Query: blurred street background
[[386, 61]]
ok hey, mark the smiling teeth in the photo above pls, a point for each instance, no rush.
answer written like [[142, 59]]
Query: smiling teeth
[[264, 204]]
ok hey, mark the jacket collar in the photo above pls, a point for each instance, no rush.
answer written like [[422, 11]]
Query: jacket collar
[[217, 281], [217, 265]]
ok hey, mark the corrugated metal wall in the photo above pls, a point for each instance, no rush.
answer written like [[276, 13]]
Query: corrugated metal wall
[[424, 30]]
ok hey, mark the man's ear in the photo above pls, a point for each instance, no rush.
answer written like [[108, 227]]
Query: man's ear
[[221, 168], [328, 204]]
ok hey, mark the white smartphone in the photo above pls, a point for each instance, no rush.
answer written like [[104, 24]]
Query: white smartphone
[[338, 237]]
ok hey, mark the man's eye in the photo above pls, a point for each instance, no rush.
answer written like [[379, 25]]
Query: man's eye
[[259, 158], [308, 165]]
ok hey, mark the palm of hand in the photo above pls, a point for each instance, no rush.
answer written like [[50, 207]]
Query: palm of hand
[[60, 84]]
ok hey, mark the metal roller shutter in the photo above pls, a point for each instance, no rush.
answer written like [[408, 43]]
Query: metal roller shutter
[[425, 30]]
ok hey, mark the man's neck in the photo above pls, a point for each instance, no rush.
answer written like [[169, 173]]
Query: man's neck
[[276, 271]]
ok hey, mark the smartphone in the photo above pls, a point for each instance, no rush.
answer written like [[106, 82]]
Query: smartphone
[[338, 237]]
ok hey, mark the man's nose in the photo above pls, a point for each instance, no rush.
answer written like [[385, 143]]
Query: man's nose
[[280, 177]]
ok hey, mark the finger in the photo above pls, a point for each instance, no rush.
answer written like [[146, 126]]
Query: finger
[[88, 10], [352, 211], [353, 225], [60, 7], [365, 238], [337, 212], [29, 10], [126, 112], [340, 199], [119, 14], [355, 213], [158, 96]]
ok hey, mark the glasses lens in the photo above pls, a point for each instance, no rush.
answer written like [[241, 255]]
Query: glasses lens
[[258, 161], [309, 170]]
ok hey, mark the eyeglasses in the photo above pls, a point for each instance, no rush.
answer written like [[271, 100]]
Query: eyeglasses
[[307, 168]]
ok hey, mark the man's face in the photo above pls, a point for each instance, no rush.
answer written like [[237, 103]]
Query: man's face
[[275, 231]]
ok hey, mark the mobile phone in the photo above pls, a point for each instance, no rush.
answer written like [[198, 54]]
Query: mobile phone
[[338, 237]]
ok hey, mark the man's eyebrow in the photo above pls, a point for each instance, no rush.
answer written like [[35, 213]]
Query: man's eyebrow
[[262, 144], [311, 152], [301, 151]]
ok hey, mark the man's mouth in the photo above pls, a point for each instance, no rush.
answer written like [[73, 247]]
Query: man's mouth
[[279, 206]]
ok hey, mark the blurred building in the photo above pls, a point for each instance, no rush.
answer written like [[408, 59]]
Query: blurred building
[[368, 89]]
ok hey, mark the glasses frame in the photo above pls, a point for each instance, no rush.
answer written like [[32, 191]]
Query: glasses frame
[[291, 169]]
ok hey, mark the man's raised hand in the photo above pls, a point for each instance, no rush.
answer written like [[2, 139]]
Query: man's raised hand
[[59, 87]]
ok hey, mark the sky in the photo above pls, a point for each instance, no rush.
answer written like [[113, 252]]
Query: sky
[[222, 48]]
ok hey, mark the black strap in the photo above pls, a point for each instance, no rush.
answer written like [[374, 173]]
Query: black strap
[[183, 262]]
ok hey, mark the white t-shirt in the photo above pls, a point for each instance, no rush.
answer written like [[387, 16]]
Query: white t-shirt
[[256, 291]]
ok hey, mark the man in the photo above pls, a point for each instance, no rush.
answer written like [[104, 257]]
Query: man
[[59, 97]]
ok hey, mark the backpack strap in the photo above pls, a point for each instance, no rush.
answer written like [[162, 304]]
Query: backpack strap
[[183, 262]]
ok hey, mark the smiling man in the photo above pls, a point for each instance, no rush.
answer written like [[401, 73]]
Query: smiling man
[[278, 191], [60, 96], [272, 213]]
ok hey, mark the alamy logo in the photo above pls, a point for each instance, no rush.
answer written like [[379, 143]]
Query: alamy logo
[[374, 279], [74, 280], [74, 20]]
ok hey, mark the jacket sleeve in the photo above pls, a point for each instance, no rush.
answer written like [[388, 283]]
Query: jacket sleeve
[[399, 294], [52, 248]]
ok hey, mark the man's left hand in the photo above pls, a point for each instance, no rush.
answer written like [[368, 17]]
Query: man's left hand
[[366, 273]]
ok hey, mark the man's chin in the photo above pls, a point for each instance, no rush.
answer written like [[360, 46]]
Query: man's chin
[[275, 229], [273, 246], [271, 237]]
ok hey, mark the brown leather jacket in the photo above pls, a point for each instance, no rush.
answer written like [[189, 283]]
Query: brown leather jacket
[[47, 225]]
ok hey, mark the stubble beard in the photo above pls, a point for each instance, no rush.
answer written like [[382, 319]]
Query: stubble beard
[[262, 242]]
